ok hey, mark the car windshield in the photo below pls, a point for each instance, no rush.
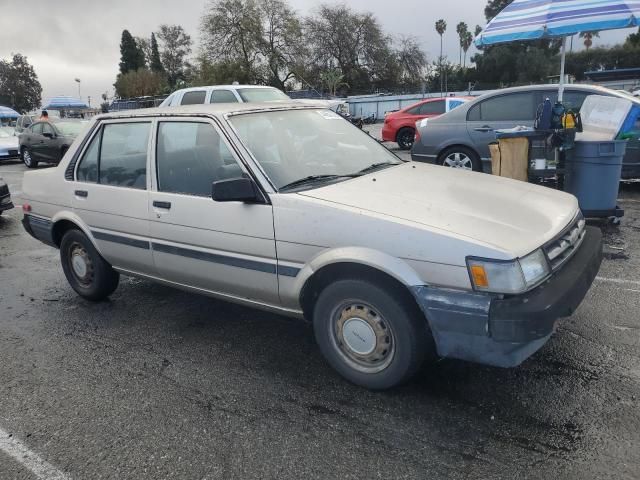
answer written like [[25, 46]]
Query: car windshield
[[6, 132], [254, 95], [311, 144], [69, 128]]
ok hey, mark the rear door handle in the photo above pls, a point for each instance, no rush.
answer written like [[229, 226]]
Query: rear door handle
[[484, 129], [81, 193], [165, 205]]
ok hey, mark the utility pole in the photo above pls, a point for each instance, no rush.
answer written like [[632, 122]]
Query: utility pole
[[79, 96]]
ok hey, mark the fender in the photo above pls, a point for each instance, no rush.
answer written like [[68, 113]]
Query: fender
[[384, 262], [75, 219]]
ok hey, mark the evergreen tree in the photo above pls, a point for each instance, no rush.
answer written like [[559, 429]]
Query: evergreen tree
[[155, 64], [131, 57]]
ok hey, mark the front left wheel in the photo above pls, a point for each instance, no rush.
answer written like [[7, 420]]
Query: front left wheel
[[28, 159], [371, 335], [87, 272]]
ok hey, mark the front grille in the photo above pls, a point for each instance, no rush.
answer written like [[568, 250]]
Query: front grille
[[566, 244], [13, 153]]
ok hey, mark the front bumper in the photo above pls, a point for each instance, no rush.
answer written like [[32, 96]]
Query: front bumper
[[388, 133], [506, 331], [5, 198]]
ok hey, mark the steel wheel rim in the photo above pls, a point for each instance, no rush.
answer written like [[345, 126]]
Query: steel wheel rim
[[362, 337], [458, 160], [80, 264]]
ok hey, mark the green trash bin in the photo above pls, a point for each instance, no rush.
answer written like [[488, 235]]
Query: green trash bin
[[592, 174]]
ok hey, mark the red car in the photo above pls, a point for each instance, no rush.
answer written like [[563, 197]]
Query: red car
[[400, 126]]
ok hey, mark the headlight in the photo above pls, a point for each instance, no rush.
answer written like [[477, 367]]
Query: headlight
[[509, 277]]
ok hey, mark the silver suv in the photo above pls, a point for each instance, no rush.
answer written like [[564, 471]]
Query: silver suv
[[292, 209]]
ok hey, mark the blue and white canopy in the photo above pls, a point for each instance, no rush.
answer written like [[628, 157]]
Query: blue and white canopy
[[6, 112], [535, 19], [64, 102]]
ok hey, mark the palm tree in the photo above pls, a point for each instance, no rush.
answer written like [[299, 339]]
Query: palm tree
[[333, 79], [588, 37], [462, 29], [466, 43], [478, 30], [441, 27]]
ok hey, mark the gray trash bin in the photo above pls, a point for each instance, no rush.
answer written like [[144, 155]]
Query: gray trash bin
[[592, 174]]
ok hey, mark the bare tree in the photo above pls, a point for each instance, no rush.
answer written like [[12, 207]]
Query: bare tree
[[411, 61]]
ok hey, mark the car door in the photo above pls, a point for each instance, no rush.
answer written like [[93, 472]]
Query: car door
[[499, 112], [110, 193], [34, 141], [50, 140], [223, 247]]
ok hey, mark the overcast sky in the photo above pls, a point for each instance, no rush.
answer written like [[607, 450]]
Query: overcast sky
[[67, 39]]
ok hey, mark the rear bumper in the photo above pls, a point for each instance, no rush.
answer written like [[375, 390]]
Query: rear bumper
[[505, 331], [39, 228], [388, 133]]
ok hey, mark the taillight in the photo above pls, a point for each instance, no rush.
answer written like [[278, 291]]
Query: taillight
[[416, 139], [26, 208]]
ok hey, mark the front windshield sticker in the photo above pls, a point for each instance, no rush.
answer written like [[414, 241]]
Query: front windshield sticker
[[329, 115]]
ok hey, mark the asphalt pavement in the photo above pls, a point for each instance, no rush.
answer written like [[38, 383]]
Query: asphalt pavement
[[161, 384]]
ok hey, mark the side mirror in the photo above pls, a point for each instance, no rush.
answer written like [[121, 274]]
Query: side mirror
[[239, 189]]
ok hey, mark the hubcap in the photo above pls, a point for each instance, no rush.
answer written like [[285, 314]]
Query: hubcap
[[81, 264], [27, 157], [458, 160], [362, 337]]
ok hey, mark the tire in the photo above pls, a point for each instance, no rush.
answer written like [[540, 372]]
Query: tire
[[405, 138], [460, 157], [27, 158], [78, 255], [370, 335]]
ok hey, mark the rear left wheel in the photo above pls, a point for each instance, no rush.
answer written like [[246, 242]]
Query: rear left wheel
[[369, 334], [405, 138], [87, 272]]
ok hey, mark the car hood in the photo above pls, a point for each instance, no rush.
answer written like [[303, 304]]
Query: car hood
[[507, 215]]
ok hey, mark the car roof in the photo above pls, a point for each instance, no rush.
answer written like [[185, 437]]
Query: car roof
[[223, 87], [218, 109]]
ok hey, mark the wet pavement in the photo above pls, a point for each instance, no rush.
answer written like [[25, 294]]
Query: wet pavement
[[158, 383]]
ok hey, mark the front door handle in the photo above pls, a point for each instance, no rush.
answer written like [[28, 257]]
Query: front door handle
[[81, 193], [165, 205]]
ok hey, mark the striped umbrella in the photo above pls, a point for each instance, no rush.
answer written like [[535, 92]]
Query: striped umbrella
[[536, 19], [6, 112], [64, 102]]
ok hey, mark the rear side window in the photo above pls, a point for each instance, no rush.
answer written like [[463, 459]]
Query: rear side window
[[507, 108], [194, 98], [88, 167], [190, 156], [433, 108], [223, 96], [123, 155]]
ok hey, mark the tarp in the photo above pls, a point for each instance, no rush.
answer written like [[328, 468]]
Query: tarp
[[6, 112], [64, 102]]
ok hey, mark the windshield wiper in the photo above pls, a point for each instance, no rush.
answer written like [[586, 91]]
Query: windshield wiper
[[311, 179], [376, 166]]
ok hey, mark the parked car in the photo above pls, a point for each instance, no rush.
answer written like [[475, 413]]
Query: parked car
[[400, 126], [292, 209], [8, 143], [48, 141], [224, 94], [5, 197], [461, 138]]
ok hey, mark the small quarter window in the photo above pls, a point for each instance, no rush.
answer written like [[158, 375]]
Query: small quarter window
[[194, 98]]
